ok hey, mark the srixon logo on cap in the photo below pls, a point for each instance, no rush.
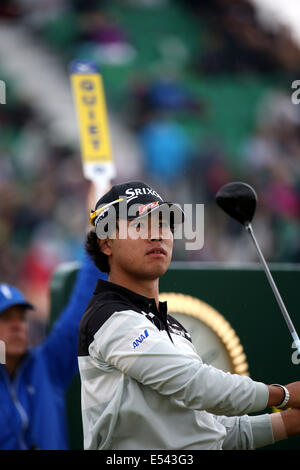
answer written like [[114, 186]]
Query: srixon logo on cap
[[147, 207], [134, 193]]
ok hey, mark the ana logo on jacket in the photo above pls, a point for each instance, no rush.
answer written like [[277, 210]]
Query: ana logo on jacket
[[140, 339]]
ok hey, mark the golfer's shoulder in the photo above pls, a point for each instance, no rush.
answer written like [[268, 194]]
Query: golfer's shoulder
[[101, 308]]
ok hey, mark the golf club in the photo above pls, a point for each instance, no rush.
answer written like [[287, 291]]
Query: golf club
[[239, 200]]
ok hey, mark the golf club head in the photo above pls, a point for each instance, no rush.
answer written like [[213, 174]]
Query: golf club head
[[238, 200]]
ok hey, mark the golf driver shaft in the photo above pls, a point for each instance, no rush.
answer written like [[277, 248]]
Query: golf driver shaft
[[283, 309]]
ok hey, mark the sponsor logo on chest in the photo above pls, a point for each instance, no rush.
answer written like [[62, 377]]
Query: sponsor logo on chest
[[140, 339]]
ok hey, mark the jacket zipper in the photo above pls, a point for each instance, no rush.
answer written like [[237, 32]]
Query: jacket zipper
[[12, 388]]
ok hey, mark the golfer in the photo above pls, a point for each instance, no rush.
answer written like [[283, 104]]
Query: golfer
[[143, 384]]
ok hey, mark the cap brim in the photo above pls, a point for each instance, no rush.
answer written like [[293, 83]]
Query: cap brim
[[14, 303], [177, 211]]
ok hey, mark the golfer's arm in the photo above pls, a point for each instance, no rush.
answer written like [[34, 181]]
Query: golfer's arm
[[247, 432], [253, 432], [286, 423], [276, 396], [157, 363]]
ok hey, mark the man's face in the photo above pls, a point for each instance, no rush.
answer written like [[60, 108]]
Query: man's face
[[145, 252], [14, 330]]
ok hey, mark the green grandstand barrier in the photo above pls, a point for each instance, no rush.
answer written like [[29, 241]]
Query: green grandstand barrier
[[243, 297]]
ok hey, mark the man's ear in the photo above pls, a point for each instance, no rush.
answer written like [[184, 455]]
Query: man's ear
[[105, 246]]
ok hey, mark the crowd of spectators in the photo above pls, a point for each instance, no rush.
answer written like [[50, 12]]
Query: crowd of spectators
[[240, 44], [42, 191], [42, 208]]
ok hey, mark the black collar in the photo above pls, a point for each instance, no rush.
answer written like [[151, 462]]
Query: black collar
[[144, 303]]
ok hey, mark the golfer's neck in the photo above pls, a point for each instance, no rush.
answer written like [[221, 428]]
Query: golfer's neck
[[146, 287]]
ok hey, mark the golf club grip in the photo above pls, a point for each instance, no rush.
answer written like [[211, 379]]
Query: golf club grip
[[280, 302]]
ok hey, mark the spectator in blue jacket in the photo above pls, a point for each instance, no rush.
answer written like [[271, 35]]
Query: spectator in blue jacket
[[33, 381]]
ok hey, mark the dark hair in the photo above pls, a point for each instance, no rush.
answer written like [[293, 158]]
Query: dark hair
[[93, 249]]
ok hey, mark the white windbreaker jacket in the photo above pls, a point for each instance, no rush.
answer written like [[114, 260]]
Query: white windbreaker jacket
[[145, 387]]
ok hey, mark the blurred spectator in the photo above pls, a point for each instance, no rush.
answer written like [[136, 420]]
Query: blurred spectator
[[9, 9], [88, 5], [271, 158], [34, 380], [38, 369], [167, 151], [238, 43], [211, 166], [104, 39], [35, 179], [150, 98], [166, 94]]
